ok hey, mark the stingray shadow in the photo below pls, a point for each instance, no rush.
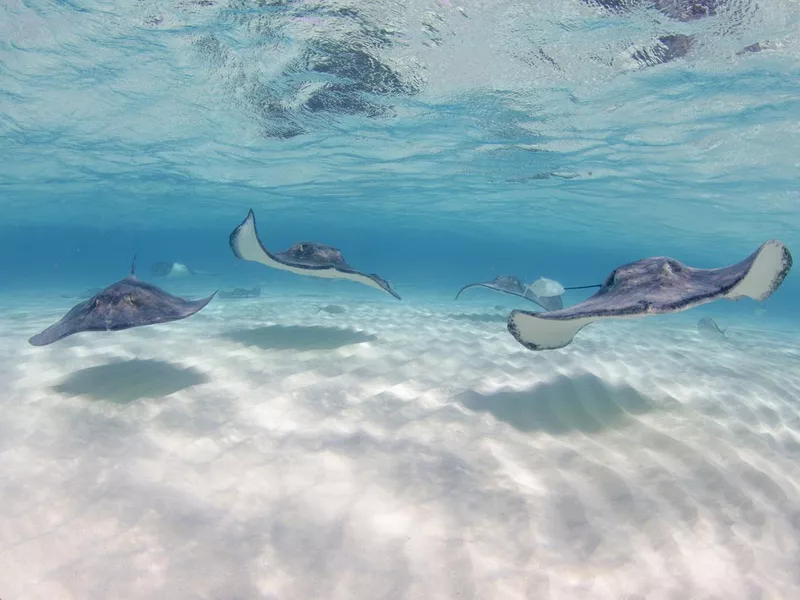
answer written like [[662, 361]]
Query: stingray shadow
[[125, 381], [563, 405], [299, 337], [481, 318]]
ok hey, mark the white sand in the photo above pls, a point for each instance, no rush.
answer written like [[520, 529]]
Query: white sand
[[415, 456]]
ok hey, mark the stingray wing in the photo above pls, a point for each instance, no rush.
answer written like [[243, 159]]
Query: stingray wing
[[549, 303], [655, 286], [485, 284], [246, 245], [126, 304], [78, 319]]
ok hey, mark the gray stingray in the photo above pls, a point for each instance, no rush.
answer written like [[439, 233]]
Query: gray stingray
[[509, 284], [174, 269], [241, 293], [122, 305], [654, 286], [332, 309], [305, 258], [709, 328]]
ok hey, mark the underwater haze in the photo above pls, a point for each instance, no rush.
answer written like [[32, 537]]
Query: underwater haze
[[320, 438]]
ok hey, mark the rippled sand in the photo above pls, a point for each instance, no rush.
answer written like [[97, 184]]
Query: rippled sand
[[264, 450]]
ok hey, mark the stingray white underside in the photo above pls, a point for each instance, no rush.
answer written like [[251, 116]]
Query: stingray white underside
[[249, 248], [540, 333], [179, 270]]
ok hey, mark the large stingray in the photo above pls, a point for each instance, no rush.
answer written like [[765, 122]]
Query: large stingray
[[122, 305], [305, 258], [509, 284], [654, 286]]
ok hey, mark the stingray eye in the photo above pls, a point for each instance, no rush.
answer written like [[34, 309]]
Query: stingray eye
[[675, 266], [671, 267]]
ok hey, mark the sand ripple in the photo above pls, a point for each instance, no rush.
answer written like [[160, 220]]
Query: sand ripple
[[396, 451]]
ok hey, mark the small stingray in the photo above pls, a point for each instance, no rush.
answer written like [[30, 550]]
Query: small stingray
[[709, 328], [333, 309], [654, 286], [546, 288], [241, 293], [509, 284], [122, 305], [306, 258], [173, 270]]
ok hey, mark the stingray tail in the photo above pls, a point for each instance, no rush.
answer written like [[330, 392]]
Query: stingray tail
[[133, 267], [584, 287]]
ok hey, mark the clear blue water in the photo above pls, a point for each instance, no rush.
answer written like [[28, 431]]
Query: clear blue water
[[435, 142], [450, 143]]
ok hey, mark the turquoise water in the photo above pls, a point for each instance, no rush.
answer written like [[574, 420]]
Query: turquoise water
[[449, 143], [436, 143]]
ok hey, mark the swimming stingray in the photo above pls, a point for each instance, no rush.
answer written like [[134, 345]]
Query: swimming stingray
[[305, 258], [240, 293], [332, 309], [509, 284], [122, 305], [654, 286], [709, 328], [174, 269], [549, 296]]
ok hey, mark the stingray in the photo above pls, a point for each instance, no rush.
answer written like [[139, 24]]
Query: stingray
[[241, 293], [332, 309], [709, 328], [653, 286], [174, 269], [509, 284], [305, 258], [122, 305]]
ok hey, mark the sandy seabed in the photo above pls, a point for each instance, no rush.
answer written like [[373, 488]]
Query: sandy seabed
[[396, 451]]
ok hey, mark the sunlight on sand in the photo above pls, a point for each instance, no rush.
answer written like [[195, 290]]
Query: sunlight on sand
[[396, 452]]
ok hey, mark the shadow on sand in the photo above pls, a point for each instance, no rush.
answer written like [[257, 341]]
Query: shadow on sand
[[565, 404], [299, 337], [126, 381]]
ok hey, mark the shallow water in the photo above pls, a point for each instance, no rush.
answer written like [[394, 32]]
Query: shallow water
[[327, 440]]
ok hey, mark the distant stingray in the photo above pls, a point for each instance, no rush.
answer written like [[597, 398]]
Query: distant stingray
[[509, 284], [174, 269], [306, 258], [241, 293], [709, 328], [654, 286], [122, 305], [333, 309]]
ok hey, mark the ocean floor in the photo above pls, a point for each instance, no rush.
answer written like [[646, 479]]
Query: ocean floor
[[262, 449]]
